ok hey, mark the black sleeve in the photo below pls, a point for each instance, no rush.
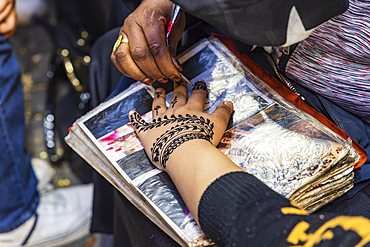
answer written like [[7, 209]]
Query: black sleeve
[[239, 210], [131, 4], [262, 23]]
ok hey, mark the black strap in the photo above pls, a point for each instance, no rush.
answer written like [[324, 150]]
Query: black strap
[[33, 228]]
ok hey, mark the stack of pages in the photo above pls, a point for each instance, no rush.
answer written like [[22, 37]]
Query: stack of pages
[[287, 149]]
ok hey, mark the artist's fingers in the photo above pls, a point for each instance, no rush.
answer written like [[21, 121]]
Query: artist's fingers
[[156, 40], [198, 96], [223, 113], [180, 95], [144, 45], [137, 122], [159, 102], [121, 57]]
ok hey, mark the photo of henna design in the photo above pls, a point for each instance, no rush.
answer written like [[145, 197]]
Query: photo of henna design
[[156, 109], [174, 101]]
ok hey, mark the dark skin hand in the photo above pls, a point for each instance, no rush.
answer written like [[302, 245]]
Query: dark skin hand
[[146, 57], [8, 18]]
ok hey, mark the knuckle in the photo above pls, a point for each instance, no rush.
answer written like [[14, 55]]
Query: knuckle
[[120, 55], [199, 92], [113, 57], [129, 21], [139, 54], [181, 94], [156, 49], [148, 14]]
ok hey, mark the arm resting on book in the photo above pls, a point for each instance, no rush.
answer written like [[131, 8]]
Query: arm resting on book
[[232, 207], [237, 208]]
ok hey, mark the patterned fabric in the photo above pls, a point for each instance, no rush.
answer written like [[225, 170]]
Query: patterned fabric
[[334, 60]]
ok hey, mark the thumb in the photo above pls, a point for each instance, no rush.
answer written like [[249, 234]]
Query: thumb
[[223, 112], [137, 122]]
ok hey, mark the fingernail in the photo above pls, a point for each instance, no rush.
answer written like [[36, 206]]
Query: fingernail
[[131, 112], [200, 85], [162, 80], [177, 63], [229, 104], [175, 78], [159, 91], [148, 81]]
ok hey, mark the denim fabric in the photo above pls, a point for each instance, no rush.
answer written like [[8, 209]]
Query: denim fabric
[[19, 197]]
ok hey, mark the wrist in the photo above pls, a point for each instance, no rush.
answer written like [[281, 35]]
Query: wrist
[[194, 166], [187, 128]]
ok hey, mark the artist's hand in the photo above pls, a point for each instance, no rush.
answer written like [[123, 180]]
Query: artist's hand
[[143, 54], [8, 18], [181, 123]]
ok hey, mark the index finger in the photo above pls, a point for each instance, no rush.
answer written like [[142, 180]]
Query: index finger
[[198, 96], [156, 39], [122, 59], [140, 49]]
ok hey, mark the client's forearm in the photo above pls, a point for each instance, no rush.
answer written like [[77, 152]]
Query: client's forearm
[[193, 167]]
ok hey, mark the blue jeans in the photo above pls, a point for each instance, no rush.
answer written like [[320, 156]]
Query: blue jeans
[[19, 197]]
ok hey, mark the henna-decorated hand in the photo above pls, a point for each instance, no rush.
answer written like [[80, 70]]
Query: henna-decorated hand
[[144, 55], [182, 122]]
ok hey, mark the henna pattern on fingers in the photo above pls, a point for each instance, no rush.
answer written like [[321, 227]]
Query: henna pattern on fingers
[[200, 85], [156, 109], [158, 94], [137, 122], [174, 101]]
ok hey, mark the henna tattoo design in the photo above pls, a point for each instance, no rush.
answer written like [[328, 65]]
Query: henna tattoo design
[[158, 94], [137, 122], [191, 128], [156, 109], [174, 101], [141, 125], [188, 128], [200, 85]]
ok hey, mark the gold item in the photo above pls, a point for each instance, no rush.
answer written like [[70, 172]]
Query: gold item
[[119, 41]]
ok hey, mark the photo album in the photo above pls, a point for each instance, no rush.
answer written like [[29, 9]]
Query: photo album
[[289, 150]]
